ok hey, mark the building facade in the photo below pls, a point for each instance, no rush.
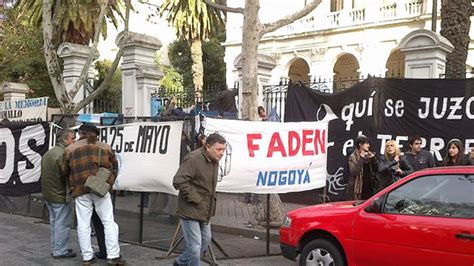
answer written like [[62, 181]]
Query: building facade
[[341, 40]]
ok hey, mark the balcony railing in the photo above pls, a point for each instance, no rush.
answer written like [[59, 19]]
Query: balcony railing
[[400, 9], [357, 15], [388, 12], [414, 8]]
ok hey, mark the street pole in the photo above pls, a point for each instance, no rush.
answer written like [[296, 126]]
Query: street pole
[[268, 226], [434, 15]]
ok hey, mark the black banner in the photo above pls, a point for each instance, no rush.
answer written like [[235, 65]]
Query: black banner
[[382, 109], [21, 147]]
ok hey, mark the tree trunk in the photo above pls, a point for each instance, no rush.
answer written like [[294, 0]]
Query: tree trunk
[[197, 69], [455, 25], [252, 32], [51, 58], [277, 212], [250, 39]]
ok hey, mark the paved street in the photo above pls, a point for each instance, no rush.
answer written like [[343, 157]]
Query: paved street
[[25, 241]]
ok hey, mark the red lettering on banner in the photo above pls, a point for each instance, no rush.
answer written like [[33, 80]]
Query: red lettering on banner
[[276, 145], [307, 140], [293, 147], [250, 145], [319, 141]]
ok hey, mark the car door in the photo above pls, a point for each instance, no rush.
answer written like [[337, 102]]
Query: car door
[[426, 221]]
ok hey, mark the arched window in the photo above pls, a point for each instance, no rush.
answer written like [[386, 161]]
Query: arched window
[[346, 72], [395, 65], [299, 71]]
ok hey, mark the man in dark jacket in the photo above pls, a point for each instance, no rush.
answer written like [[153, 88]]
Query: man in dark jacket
[[416, 156], [54, 188], [196, 181], [226, 100]]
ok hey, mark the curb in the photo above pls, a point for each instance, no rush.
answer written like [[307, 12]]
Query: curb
[[247, 232]]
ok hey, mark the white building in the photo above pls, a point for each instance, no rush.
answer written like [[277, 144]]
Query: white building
[[339, 40]]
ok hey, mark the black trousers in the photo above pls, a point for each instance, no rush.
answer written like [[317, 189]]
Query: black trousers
[[99, 233]]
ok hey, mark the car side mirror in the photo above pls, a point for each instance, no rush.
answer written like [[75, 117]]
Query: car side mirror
[[375, 206]]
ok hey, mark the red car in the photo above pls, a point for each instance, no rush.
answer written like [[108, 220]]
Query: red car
[[427, 218]]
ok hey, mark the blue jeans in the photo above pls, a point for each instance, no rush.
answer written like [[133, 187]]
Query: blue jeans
[[197, 236], [60, 219]]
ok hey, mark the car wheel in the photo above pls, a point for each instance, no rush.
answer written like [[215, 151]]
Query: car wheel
[[321, 252]]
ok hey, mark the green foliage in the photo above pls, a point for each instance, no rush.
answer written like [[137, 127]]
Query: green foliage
[[172, 80], [110, 99], [214, 64], [21, 56], [75, 18], [192, 19], [179, 54]]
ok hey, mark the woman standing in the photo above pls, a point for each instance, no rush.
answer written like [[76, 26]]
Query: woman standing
[[392, 166], [455, 154], [362, 166]]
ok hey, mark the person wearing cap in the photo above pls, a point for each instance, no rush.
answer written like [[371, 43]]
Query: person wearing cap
[[81, 160], [363, 167], [55, 195], [455, 154]]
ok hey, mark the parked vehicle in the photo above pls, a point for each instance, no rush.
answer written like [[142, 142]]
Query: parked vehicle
[[426, 218]]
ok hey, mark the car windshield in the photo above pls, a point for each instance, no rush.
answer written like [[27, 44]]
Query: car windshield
[[438, 195], [357, 203]]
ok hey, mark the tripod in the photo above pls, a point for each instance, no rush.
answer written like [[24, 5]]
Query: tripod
[[177, 238]]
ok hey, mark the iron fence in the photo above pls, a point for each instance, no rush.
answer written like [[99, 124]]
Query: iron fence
[[149, 219], [274, 96], [186, 98]]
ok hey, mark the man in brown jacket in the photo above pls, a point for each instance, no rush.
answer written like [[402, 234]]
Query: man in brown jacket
[[196, 181], [83, 159]]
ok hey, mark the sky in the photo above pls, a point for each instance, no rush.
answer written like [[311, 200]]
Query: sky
[[139, 22]]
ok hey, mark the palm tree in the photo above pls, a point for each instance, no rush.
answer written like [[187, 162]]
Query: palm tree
[[74, 19], [193, 21], [455, 25], [80, 22]]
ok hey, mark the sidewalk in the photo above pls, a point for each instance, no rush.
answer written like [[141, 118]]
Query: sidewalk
[[233, 216], [26, 241], [230, 226]]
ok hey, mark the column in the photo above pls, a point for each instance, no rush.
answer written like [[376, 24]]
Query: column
[[265, 66], [425, 54], [140, 75], [14, 91], [74, 57]]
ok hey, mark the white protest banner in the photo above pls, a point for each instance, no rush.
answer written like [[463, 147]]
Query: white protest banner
[[28, 110], [148, 154], [266, 157]]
